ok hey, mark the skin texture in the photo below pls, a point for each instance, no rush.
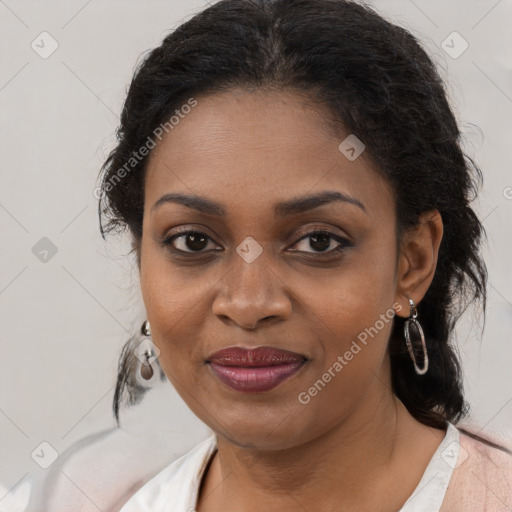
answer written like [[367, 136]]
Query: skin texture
[[349, 445]]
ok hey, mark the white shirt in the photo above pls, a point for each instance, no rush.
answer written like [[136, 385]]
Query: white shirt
[[176, 487]]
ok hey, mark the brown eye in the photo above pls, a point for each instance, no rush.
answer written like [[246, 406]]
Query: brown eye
[[322, 242], [188, 241]]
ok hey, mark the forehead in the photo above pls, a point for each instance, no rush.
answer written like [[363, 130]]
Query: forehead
[[253, 148]]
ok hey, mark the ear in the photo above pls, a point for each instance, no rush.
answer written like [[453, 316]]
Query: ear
[[417, 261]]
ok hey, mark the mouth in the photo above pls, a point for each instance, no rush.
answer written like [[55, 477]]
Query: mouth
[[254, 370]]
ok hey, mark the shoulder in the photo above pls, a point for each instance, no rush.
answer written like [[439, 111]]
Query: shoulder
[[485, 448], [485, 456], [181, 480], [482, 476]]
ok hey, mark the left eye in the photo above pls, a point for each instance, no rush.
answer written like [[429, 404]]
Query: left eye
[[321, 241]]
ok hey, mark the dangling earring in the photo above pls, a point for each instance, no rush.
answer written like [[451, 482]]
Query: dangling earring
[[146, 353], [412, 318]]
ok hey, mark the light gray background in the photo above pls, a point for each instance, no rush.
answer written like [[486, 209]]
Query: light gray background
[[63, 322]]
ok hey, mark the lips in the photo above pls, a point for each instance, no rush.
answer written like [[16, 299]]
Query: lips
[[254, 370], [254, 357]]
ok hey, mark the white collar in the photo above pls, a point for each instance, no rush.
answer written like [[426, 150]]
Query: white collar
[[429, 493]]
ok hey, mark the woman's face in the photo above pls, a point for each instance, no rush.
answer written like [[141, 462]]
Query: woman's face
[[256, 275]]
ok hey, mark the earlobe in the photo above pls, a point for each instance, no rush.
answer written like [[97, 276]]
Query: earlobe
[[418, 260]]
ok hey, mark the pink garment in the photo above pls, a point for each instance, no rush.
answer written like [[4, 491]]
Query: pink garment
[[481, 480]]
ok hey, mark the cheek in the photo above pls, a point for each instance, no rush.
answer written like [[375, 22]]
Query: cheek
[[355, 343], [354, 363], [164, 297], [363, 288], [358, 313], [167, 308]]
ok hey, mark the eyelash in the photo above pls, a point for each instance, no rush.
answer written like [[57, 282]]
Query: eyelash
[[344, 243]]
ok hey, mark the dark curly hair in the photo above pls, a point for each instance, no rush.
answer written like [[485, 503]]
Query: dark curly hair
[[378, 83]]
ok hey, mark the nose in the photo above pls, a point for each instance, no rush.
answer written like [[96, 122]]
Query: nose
[[251, 294]]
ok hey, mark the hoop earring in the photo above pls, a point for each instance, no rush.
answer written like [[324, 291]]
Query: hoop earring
[[146, 370], [412, 318]]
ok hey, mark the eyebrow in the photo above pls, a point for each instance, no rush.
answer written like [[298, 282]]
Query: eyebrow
[[290, 207]]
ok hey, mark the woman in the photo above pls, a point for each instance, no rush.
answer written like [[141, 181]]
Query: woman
[[291, 175]]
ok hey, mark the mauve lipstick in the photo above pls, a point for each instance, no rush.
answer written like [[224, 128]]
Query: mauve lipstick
[[255, 369]]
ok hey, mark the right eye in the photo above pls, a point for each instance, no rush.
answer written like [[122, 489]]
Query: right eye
[[190, 241]]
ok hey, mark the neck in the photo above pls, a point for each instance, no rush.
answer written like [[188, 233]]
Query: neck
[[340, 468]]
